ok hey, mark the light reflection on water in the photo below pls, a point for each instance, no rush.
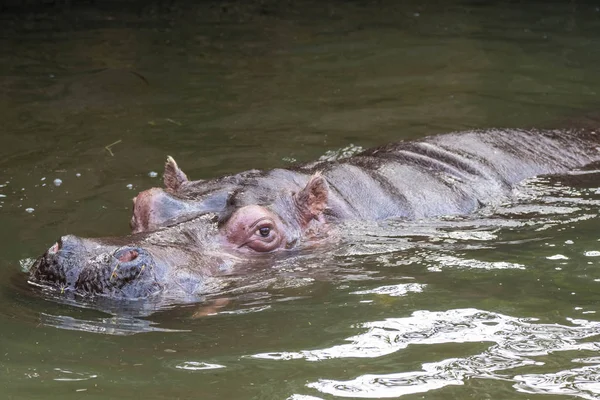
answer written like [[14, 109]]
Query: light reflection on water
[[198, 366], [581, 382], [514, 343], [109, 326], [303, 397], [72, 376], [394, 290]]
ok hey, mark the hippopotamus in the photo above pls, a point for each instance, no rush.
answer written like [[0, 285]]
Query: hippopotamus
[[190, 233]]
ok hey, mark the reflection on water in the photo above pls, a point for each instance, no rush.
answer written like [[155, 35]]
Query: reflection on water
[[581, 382], [394, 290], [515, 343], [108, 326], [71, 376], [198, 366]]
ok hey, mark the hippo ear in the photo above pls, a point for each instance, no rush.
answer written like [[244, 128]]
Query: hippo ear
[[173, 176], [312, 200]]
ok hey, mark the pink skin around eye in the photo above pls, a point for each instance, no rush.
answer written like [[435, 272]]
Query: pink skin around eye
[[243, 229]]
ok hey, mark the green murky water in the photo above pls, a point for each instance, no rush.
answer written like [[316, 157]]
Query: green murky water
[[499, 305]]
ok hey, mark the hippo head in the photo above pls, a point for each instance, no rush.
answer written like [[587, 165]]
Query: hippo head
[[180, 257], [182, 199], [156, 208]]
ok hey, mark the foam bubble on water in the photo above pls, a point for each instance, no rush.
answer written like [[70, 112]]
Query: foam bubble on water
[[592, 253], [152, 174], [557, 257], [129, 186], [78, 174], [30, 210], [57, 182]]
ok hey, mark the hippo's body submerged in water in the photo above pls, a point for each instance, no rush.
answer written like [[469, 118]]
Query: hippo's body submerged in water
[[194, 230]]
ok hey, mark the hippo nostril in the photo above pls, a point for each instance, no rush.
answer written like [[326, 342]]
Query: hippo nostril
[[127, 255]]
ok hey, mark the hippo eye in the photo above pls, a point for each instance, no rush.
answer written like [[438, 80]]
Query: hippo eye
[[253, 228], [264, 231], [265, 237]]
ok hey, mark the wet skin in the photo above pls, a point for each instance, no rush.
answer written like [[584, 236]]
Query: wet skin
[[191, 232]]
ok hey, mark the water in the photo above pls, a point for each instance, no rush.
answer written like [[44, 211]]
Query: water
[[502, 304]]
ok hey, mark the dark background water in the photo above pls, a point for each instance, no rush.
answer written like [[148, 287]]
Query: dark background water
[[500, 305]]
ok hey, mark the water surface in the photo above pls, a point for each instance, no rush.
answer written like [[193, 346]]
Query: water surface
[[502, 304]]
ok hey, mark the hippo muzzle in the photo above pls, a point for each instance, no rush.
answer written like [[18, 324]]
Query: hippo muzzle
[[89, 267]]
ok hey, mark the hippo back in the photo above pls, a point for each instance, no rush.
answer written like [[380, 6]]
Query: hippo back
[[449, 174]]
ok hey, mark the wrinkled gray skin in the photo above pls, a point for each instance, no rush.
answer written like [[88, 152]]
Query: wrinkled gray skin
[[195, 230]]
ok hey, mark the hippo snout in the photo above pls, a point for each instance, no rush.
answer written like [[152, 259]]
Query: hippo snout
[[88, 267], [57, 265]]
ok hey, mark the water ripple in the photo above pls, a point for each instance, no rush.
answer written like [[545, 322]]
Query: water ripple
[[515, 342], [384, 386], [198, 366], [66, 375], [444, 261], [582, 382], [119, 326], [394, 290]]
